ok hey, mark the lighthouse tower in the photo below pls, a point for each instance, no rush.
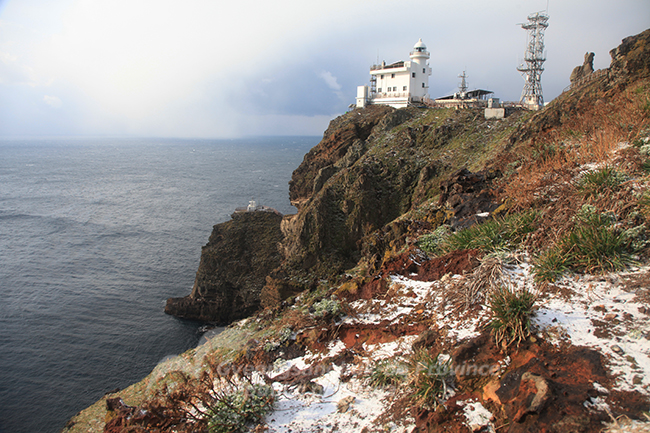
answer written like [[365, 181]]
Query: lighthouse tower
[[398, 84], [420, 71]]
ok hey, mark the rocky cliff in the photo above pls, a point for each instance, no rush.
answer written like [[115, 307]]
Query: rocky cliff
[[443, 273], [233, 268]]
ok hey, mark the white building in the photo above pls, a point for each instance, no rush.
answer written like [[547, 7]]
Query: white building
[[398, 84]]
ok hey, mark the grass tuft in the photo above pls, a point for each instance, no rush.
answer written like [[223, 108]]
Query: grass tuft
[[596, 182], [594, 246], [497, 234], [511, 311], [431, 242], [386, 373], [430, 378]]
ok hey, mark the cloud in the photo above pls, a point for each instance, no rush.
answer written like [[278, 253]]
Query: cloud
[[12, 72], [52, 101], [333, 84], [206, 68], [330, 80]]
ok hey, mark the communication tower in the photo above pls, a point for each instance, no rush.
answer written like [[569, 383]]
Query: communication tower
[[533, 64], [462, 86]]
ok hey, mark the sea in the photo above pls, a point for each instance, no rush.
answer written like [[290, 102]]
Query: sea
[[95, 235]]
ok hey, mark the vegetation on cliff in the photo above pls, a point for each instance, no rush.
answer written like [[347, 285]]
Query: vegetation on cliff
[[445, 273]]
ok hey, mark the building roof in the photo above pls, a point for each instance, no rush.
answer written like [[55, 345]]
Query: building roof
[[399, 64], [472, 94]]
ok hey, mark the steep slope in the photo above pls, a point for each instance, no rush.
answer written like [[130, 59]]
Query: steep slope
[[396, 169], [480, 298], [234, 264]]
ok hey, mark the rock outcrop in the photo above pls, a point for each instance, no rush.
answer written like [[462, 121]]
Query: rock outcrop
[[587, 68], [234, 264]]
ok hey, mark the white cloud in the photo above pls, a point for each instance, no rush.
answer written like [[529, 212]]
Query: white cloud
[[214, 68], [12, 72], [330, 80], [52, 101]]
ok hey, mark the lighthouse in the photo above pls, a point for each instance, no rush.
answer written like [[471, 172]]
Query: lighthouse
[[398, 84]]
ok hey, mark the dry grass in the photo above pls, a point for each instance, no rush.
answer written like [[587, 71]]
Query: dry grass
[[551, 167], [482, 281], [589, 136]]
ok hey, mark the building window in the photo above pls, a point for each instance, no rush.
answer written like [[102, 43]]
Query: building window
[[382, 76], [413, 74], [379, 90], [424, 71], [395, 89], [392, 75], [405, 88], [423, 85]]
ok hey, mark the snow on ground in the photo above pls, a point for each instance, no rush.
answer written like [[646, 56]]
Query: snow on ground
[[477, 416], [398, 347], [337, 406], [596, 311], [414, 296], [343, 406], [600, 312]]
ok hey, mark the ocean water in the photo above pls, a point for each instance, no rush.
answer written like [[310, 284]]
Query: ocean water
[[95, 235]]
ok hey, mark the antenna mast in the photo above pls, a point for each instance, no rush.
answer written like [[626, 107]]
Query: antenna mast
[[533, 65], [462, 86]]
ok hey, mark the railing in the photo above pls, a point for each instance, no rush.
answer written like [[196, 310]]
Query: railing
[[393, 66], [389, 95]]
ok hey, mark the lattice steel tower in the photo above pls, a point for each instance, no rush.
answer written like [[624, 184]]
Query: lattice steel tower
[[533, 64]]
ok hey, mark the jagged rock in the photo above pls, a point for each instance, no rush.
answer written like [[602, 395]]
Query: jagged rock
[[631, 59], [343, 140], [234, 264], [469, 195], [535, 386], [342, 193], [587, 68]]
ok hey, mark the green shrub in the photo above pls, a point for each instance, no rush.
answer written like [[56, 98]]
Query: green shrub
[[386, 373], [599, 181], [511, 311], [595, 245], [430, 378], [328, 306], [233, 412], [430, 242], [550, 265], [495, 234]]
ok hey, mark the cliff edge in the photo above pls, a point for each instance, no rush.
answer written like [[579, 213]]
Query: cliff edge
[[233, 268]]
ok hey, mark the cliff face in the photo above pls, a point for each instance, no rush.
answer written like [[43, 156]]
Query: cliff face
[[380, 177], [372, 167], [233, 267]]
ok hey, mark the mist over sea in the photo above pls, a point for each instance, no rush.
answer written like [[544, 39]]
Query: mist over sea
[[95, 235]]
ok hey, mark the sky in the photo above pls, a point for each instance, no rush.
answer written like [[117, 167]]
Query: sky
[[224, 69]]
